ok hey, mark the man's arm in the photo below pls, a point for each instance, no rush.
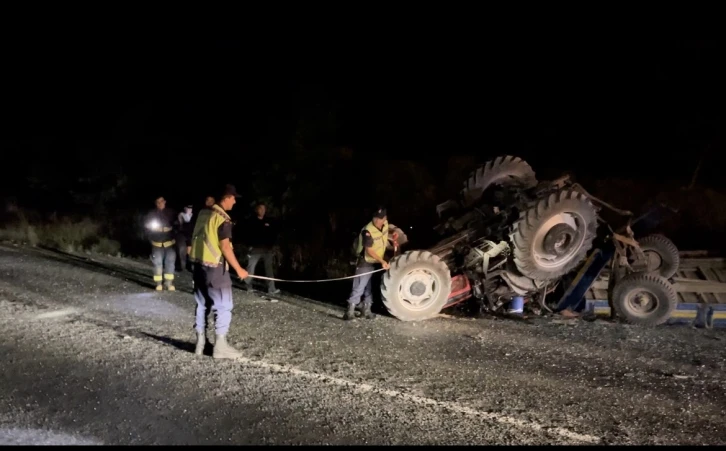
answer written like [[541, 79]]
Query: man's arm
[[368, 244], [231, 259]]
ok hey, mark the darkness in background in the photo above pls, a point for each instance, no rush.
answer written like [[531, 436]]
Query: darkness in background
[[133, 107]]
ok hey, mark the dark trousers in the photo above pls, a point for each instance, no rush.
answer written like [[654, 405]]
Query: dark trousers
[[219, 301], [163, 259], [181, 248], [267, 257], [363, 285]]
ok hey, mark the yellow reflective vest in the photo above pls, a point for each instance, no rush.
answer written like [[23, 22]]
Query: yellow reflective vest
[[380, 241], [206, 249]]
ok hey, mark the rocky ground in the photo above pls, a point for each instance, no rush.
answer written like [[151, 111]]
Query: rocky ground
[[92, 355]]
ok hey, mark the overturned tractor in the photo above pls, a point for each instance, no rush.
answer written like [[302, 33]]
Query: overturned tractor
[[509, 235]]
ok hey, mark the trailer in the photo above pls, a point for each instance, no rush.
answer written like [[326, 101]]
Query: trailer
[[701, 286]]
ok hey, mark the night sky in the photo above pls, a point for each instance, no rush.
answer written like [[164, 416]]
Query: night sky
[[600, 108]]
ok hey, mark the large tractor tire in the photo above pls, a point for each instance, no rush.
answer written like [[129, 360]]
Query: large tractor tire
[[503, 171], [552, 237], [644, 299], [661, 254], [416, 286]]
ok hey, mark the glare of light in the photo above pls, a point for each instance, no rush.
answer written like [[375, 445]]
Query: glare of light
[[153, 225]]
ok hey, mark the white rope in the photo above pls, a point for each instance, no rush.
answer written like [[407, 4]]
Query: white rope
[[320, 280]]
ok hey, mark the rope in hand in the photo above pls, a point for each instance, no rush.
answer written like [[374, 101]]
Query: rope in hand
[[320, 280], [323, 280]]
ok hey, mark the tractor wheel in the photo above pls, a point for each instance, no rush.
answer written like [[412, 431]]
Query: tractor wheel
[[644, 299], [416, 286], [553, 237], [661, 254], [503, 171]]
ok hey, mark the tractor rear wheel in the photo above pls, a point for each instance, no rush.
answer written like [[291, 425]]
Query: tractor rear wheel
[[503, 171], [552, 237], [416, 286]]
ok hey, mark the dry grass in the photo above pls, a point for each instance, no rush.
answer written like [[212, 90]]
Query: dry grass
[[64, 234]]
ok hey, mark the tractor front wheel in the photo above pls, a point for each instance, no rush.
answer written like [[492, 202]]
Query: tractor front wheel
[[416, 286]]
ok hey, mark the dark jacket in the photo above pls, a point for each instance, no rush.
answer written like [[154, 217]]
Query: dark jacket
[[261, 233], [164, 221]]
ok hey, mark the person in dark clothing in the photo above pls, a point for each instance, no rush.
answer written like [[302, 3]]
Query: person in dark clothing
[[185, 228], [261, 237], [159, 225]]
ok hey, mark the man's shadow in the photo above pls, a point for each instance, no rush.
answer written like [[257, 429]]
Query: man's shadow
[[187, 346]]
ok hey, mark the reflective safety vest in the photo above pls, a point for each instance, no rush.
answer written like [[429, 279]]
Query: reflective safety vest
[[206, 249], [380, 241]]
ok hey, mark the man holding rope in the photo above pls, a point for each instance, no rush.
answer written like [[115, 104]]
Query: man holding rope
[[212, 255], [370, 248]]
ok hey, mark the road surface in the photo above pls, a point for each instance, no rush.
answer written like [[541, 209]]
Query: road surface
[[92, 355]]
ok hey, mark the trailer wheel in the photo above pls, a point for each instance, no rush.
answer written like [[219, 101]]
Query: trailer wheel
[[552, 237], [503, 171], [416, 286], [661, 254], [644, 299]]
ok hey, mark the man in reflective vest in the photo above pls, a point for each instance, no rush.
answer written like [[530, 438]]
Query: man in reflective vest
[[212, 255], [370, 249], [159, 225]]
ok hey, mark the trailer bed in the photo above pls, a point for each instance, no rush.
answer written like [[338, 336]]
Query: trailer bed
[[700, 283]]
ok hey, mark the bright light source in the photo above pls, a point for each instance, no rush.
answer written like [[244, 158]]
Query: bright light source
[[154, 225]]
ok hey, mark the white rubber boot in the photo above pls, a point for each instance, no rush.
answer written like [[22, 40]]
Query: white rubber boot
[[201, 342], [222, 350]]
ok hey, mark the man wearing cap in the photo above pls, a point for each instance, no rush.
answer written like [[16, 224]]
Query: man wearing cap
[[370, 248], [212, 255], [185, 228], [159, 230]]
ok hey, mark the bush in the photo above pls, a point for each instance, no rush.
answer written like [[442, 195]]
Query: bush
[[65, 234]]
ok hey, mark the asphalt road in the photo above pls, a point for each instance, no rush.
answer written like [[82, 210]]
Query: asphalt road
[[92, 355]]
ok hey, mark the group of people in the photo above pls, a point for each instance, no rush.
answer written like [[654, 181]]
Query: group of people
[[207, 245]]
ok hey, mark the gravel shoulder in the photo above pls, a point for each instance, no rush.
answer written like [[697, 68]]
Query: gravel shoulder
[[93, 355]]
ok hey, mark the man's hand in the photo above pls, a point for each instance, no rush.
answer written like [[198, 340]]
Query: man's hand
[[189, 250], [242, 274], [385, 265]]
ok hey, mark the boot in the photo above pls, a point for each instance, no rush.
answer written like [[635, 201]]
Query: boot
[[159, 287], [201, 342], [222, 350], [367, 314], [350, 313], [170, 285]]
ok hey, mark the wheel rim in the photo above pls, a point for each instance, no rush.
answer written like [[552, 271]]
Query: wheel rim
[[419, 288], [553, 252], [641, 302], [653, 260]]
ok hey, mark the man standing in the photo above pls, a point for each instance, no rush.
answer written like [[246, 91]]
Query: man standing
[[159, 229], [262, 238], [370, 247], [184, 234], [212, 255]]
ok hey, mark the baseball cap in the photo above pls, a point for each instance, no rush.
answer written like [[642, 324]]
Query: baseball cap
[[229, 190], [379, 213]]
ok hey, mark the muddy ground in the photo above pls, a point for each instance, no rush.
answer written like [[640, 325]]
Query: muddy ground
[[91, 354]]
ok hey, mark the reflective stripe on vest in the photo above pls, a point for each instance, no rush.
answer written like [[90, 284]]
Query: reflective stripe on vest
[[380, 241], [164, 244], [205, 247]]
